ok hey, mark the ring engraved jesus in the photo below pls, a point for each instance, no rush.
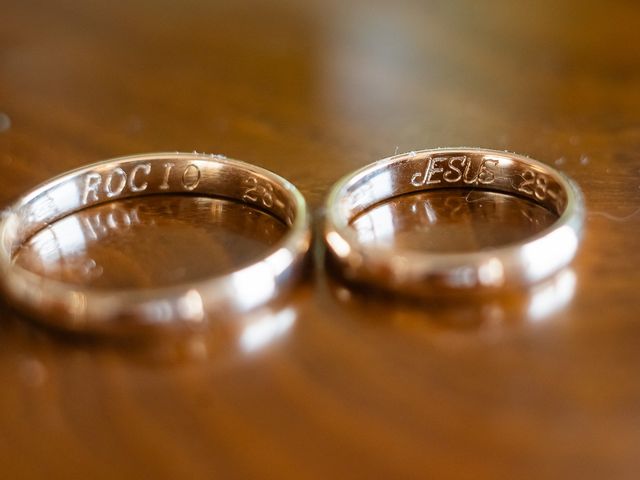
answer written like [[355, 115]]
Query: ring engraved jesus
[[85, 309], [420, 272]]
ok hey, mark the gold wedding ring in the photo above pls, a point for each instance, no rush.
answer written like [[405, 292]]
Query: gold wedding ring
[[420, 272], [85, 309]]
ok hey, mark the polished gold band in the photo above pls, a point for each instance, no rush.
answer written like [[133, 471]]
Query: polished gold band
[[418, 272], [84, 309]]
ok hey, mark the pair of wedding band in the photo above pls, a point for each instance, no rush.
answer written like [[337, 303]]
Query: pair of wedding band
[[85, 309]]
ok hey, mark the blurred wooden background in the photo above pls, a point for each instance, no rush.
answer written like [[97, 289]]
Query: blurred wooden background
[[333, 382]]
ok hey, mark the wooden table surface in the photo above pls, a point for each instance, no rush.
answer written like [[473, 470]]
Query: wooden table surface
[[333, 381]]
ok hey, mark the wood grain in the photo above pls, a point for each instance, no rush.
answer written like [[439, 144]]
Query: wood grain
[[334, 381]]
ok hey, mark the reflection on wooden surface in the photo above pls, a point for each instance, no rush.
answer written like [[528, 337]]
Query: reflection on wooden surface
[[455, 315], [336, 383]]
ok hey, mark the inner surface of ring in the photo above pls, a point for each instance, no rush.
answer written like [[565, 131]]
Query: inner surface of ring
[[451, 169], [133, 177], [451, 220], [150, 242]]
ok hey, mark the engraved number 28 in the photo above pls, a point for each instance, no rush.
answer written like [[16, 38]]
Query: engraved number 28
[[258, 193], [534, 184]]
